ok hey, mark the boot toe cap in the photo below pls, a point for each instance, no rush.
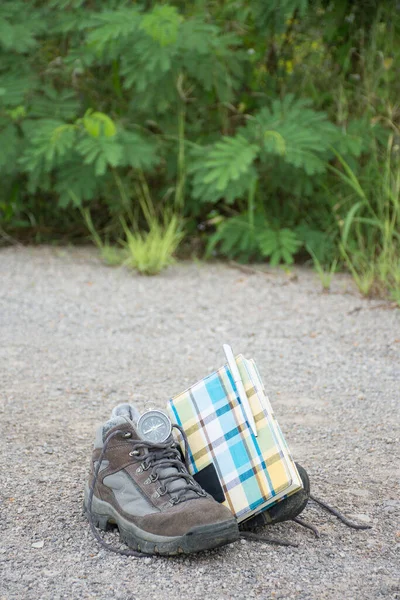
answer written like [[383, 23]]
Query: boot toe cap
[[184, 516]]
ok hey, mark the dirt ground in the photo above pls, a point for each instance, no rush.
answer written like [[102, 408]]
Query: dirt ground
[[78, 337]]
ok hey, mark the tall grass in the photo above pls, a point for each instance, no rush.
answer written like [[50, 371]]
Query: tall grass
[[152, 251], [325, 275], [370, 230], [148, 249]]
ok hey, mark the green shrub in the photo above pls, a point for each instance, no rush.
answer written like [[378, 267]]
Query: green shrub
[[233, 114]]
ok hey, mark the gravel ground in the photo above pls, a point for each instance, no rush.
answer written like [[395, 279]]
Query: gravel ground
[[78, 337]]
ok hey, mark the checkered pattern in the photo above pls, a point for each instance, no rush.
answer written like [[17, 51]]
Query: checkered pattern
[[254, 472]]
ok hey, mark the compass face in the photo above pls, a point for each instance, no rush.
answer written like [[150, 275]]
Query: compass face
[[154, 426]]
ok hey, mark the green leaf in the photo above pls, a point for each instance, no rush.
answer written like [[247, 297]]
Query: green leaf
[[19, 26], [111, 28], [216, 62], [98, 123], [16, 114], [10, 145], [76, 182], [280, 245], [145, 63], [348, 222], [234, 190], [162, 24], [321, 244], [197, 37], [16, 84], [235, 238], [49, 141], [100, 152], [61, 104], [138, 152], [291, 130], [275, 13], [229, 161]]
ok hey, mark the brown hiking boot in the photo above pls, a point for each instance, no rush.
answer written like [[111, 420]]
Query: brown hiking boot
[[144, 488]]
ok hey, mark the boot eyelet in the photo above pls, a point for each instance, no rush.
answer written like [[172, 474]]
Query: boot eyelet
[[134, 453], [127, 435], [162, 490], [153, 478], [145, 466]]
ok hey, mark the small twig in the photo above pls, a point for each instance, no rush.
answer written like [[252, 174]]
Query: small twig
[[385, 306], [9, 238], [354, 310], [248, 270]]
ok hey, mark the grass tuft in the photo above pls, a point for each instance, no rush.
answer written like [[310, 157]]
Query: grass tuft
[[152, 251]]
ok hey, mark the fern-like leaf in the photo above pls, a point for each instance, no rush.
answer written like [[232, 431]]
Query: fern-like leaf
[[14, 87], [275, 13], [212, 57], [60, 104], [146, 63], [279, 245], [138, 152], [162, 24], [16, 34], [111, 28], [10, 145], [50, 140], [320, 242], [292, 130], [234, 190], [76, 182], [97, 123], [229, 161], [235, 238], [100, 152]]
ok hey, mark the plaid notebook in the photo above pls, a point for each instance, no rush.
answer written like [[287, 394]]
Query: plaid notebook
[[252, 472]]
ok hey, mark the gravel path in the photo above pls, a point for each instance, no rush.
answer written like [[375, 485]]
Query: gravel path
[[78, 337]]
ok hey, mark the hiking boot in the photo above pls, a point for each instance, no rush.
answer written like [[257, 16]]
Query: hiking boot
[[144, 489]]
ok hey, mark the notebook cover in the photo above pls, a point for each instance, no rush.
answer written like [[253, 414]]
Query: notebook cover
[[254, 472]]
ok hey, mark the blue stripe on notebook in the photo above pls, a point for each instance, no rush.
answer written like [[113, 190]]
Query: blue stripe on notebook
[[215, 389], [224, 409], [231, 433]]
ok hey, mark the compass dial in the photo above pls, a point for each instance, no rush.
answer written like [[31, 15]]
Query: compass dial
[[154, 426]]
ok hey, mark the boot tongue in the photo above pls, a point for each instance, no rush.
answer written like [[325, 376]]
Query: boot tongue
[[118, 421], [121, 415], [172, 485], [126, 410]]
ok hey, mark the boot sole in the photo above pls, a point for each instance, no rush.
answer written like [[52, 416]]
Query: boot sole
[[197, 539]]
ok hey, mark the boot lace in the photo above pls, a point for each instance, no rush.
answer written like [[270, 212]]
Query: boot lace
[[160, 457], [255, 537]]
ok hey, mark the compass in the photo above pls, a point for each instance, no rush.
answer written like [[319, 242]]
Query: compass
[[154, 426]]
